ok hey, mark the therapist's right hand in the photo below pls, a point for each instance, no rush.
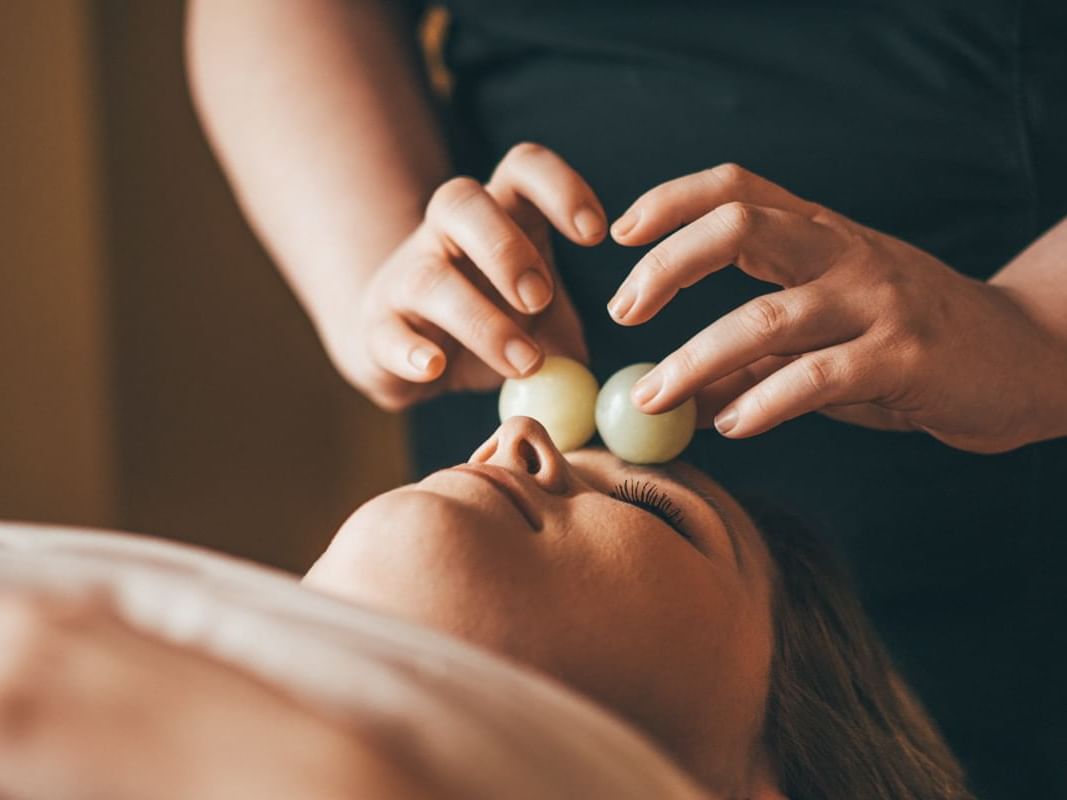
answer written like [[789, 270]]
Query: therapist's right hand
[[472, 296]]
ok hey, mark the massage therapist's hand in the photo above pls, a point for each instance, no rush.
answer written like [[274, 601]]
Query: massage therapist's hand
[[90, 708], [866, 328], [472, 295]]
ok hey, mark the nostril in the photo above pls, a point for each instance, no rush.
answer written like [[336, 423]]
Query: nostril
[[528, 453]]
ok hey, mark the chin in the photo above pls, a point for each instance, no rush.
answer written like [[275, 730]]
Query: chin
[[386, 553]]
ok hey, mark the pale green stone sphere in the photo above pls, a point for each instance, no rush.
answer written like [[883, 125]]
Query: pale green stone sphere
[[561, 396], [635, 436]]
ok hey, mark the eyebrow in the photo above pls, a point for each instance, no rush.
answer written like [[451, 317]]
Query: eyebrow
[[711, 502]]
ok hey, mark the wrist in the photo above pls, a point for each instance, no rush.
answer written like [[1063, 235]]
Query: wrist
[[1045, 375]]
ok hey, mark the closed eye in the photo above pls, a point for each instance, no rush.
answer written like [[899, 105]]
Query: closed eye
[[648, 497]]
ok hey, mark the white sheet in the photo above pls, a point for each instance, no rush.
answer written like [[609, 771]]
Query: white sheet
[[488, 728]]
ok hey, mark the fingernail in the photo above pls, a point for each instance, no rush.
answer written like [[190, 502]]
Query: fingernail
[[725, 422], [521, 355], [421, 357], [533, 290], [621, 303], [588, 223], [626, 223], [647, 388]]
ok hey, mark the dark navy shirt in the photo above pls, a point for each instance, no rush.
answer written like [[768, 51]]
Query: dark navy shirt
[[942, 122]]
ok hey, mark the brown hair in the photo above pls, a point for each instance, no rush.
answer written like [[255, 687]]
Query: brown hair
[[840, 723]]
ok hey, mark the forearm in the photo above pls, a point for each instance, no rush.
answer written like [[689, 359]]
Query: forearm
[[1036, 281], [318, 113]]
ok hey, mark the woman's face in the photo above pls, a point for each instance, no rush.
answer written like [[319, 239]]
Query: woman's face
[[647, 589]]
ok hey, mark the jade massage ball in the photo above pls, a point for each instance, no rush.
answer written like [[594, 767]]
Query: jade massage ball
[[562, 396], [635, 436]]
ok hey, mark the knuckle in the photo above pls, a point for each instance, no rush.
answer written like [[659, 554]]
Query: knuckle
[[524, 150], [900, 335], [452, 195], [667, 194], [656, 265], [737, 218], [899, 311], [815, 302], [685, 362], [890, 296], [728, 174], [510, 251], [763, 403], [822, 215], [485, 325], [422, 280], [765, 317], [908, 351], [515, 160], [819, 373]]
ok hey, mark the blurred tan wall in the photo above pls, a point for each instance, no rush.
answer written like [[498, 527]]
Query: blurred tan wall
[[57, 458], [173, 385]]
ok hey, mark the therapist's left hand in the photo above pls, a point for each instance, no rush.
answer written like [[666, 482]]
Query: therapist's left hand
[[866, 328]]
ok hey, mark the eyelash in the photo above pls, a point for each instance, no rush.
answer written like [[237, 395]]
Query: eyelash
[[645, 495]]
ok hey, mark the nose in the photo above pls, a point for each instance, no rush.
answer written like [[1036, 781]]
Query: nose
[[522, 444]]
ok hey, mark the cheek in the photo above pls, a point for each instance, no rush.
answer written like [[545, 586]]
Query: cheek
[[666, 637]]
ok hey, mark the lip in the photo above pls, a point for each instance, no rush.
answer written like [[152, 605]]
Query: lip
[[508, 485]]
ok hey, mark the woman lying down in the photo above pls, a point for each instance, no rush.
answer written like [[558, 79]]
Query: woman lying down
[[731, 642]]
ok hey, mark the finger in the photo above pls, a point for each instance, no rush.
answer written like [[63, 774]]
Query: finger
[[472, 224], [869, 415], [780, 323], [353, 357], [770, 245], [839, 375], [680, 201], [463, 372], [437, 292], [714, 397], [531, 175], [398, 350], [560, 331]]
